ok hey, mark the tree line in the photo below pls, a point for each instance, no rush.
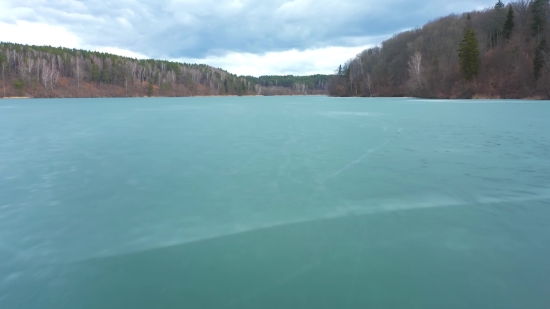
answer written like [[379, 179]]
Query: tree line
[[318, 81], [45, 71], [498, 52]]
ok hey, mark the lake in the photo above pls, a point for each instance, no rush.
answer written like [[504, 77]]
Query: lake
[[274, 202]]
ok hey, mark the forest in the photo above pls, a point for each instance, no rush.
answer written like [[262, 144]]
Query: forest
[[498, 52], [45, 71]]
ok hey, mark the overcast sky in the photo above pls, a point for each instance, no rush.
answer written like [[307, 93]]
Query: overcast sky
[[242, 36]]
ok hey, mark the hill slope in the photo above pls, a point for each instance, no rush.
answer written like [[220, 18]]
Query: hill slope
[[45, 71], [513, 59]]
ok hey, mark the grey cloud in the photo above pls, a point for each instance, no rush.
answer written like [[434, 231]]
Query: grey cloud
[[196, 29]]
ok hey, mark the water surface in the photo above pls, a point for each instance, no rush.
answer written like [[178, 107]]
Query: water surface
[[274, 202]]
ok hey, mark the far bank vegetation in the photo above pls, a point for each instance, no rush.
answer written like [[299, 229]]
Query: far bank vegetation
[[499, 52], [45, 71]]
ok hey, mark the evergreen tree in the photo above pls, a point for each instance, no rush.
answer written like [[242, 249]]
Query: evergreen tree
[[20, 86], [150, 89], [468, 21], [190, 82], [105, 74], [509, 23], [468, 55], [95, 72], [538, 61], [539, 17]]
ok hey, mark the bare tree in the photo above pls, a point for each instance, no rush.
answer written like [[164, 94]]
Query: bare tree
[[3, 79], [8, 56], [78, 70], [18, 58], [415, 70], [522, 9], [22, 68], [54, 77], [171, 76], [366, 77], [160, 77], [132, 68], [31, 62], [46, 73], [126, 85], [26, 68], [39, 66], [141, 74], [302, 88], [356, 70], [258, 89], [368, 81], [162, 69], [60, 65]]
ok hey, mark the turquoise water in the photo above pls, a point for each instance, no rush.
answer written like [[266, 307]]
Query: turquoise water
[[274, 202]]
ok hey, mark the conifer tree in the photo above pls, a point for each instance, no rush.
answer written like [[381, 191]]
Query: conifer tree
[[95, 72], [105, 73], [538, 9], [150, 89], [509, 23], [468, 54], [538, 61]]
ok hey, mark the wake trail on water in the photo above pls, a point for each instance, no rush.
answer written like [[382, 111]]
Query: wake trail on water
[[357, 161], [361, 158], [386, 206]]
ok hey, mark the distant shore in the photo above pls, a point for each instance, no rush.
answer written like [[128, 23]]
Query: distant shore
[[196, 96], [474, 98]]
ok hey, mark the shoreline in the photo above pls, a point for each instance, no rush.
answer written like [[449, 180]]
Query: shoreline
[[478, 98], [475, 98], [196, 96]]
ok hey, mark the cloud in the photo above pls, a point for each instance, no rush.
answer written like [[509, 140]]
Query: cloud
[[290, 62], [120, 52], [218, 29], [34, 33]]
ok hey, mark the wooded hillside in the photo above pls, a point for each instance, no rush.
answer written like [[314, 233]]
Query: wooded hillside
[[44, 71], [499, 52]]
